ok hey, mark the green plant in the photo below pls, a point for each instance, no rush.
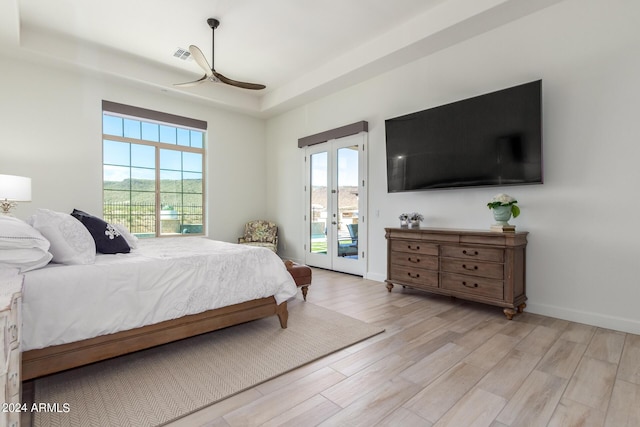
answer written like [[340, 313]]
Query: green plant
[[504, 200]]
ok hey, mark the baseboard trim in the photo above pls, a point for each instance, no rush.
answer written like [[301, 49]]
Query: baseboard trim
[[621, 324], [589, 318], [616, 323], [375, 276]]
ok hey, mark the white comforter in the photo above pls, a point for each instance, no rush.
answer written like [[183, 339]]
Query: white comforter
[[163, 279]]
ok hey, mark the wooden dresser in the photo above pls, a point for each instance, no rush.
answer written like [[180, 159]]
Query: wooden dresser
[[10, 337], [482, 266]]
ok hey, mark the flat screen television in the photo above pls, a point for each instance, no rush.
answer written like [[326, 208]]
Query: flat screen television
[[488, 140]]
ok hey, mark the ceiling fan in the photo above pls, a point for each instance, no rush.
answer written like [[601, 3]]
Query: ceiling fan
[[210, 74]]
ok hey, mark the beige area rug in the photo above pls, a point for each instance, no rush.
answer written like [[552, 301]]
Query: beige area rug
[[158, 385]]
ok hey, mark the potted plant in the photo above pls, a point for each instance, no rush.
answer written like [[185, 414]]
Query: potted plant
[[404, 220], [503, 206], [414, 220]]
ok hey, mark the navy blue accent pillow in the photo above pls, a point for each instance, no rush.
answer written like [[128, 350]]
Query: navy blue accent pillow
[[108, 239]]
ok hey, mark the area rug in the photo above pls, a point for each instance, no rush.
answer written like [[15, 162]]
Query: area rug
[[155, 386]]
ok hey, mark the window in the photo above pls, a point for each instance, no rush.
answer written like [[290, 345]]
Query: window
[[153, 171]]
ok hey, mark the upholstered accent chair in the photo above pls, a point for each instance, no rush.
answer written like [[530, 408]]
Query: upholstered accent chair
[[260, 233]]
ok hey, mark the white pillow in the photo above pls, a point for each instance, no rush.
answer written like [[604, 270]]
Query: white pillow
[[71, 242], [15, 233], [24, 259], [132, 240], [22, 246]]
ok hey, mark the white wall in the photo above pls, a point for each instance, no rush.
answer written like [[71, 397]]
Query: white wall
[[582, 221], [51, 130]]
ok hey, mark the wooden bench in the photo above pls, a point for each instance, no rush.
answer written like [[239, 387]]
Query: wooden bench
[[301, 275]]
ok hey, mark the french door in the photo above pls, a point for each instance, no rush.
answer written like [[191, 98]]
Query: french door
[[335, 205]]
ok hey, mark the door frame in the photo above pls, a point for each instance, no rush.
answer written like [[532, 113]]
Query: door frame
[[331, 260]]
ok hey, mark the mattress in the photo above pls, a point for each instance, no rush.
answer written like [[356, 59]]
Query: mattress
[[165, 278]]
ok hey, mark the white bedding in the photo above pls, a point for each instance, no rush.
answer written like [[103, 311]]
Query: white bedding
[[163, 279]]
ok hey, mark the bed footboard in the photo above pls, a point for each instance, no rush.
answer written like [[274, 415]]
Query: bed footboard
[[36, 363]]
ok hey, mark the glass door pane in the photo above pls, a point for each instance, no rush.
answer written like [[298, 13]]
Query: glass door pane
[[347, 201], [319, 203]]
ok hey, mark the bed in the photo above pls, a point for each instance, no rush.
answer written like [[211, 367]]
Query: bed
[[165, 290]]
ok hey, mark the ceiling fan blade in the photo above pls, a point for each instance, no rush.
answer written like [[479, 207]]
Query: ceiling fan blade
[[193, 83], [209, 71], [244, 85], [198, 56]]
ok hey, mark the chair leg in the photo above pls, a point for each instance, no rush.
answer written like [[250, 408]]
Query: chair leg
[[304, 292]]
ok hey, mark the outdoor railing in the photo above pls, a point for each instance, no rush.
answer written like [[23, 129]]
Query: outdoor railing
[[140, 218]]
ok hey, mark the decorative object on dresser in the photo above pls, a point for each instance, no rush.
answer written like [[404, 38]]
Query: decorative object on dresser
[[404, 220], [503, 206], [13, 189], [410, 220], [10, 339], [482, 266]]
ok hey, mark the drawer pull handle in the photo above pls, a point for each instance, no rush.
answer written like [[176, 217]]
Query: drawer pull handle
[[470, 253], [475, 285], [417, 248], [415, 261], [475, 267], [412, 276]]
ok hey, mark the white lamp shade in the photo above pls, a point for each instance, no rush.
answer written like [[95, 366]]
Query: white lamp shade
[[16, 188]]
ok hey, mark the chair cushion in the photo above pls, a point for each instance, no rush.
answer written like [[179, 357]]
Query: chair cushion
[[267, 245], [260, 231]]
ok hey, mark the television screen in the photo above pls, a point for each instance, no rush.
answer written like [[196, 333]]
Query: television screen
[[491, 139]]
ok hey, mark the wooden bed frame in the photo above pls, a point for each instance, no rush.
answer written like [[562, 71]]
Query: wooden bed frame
[[36, 363]]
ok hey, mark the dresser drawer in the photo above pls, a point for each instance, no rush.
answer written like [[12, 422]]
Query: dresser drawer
[[415, 276], [473, 253], [430, 262], [473, 285], [414, 247], [480, 269]]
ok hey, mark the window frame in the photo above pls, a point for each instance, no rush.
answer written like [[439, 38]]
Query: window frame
[[161, 119]]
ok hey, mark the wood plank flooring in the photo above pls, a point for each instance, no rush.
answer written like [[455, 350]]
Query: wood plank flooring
[[445, 362]]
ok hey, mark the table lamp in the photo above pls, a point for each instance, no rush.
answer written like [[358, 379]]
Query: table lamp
[[13, 189]]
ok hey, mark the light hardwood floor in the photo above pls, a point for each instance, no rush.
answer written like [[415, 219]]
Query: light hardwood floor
[[445, 362]]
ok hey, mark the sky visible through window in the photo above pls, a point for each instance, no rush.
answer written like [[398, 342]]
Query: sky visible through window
[[122, 159], [347, 168]]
